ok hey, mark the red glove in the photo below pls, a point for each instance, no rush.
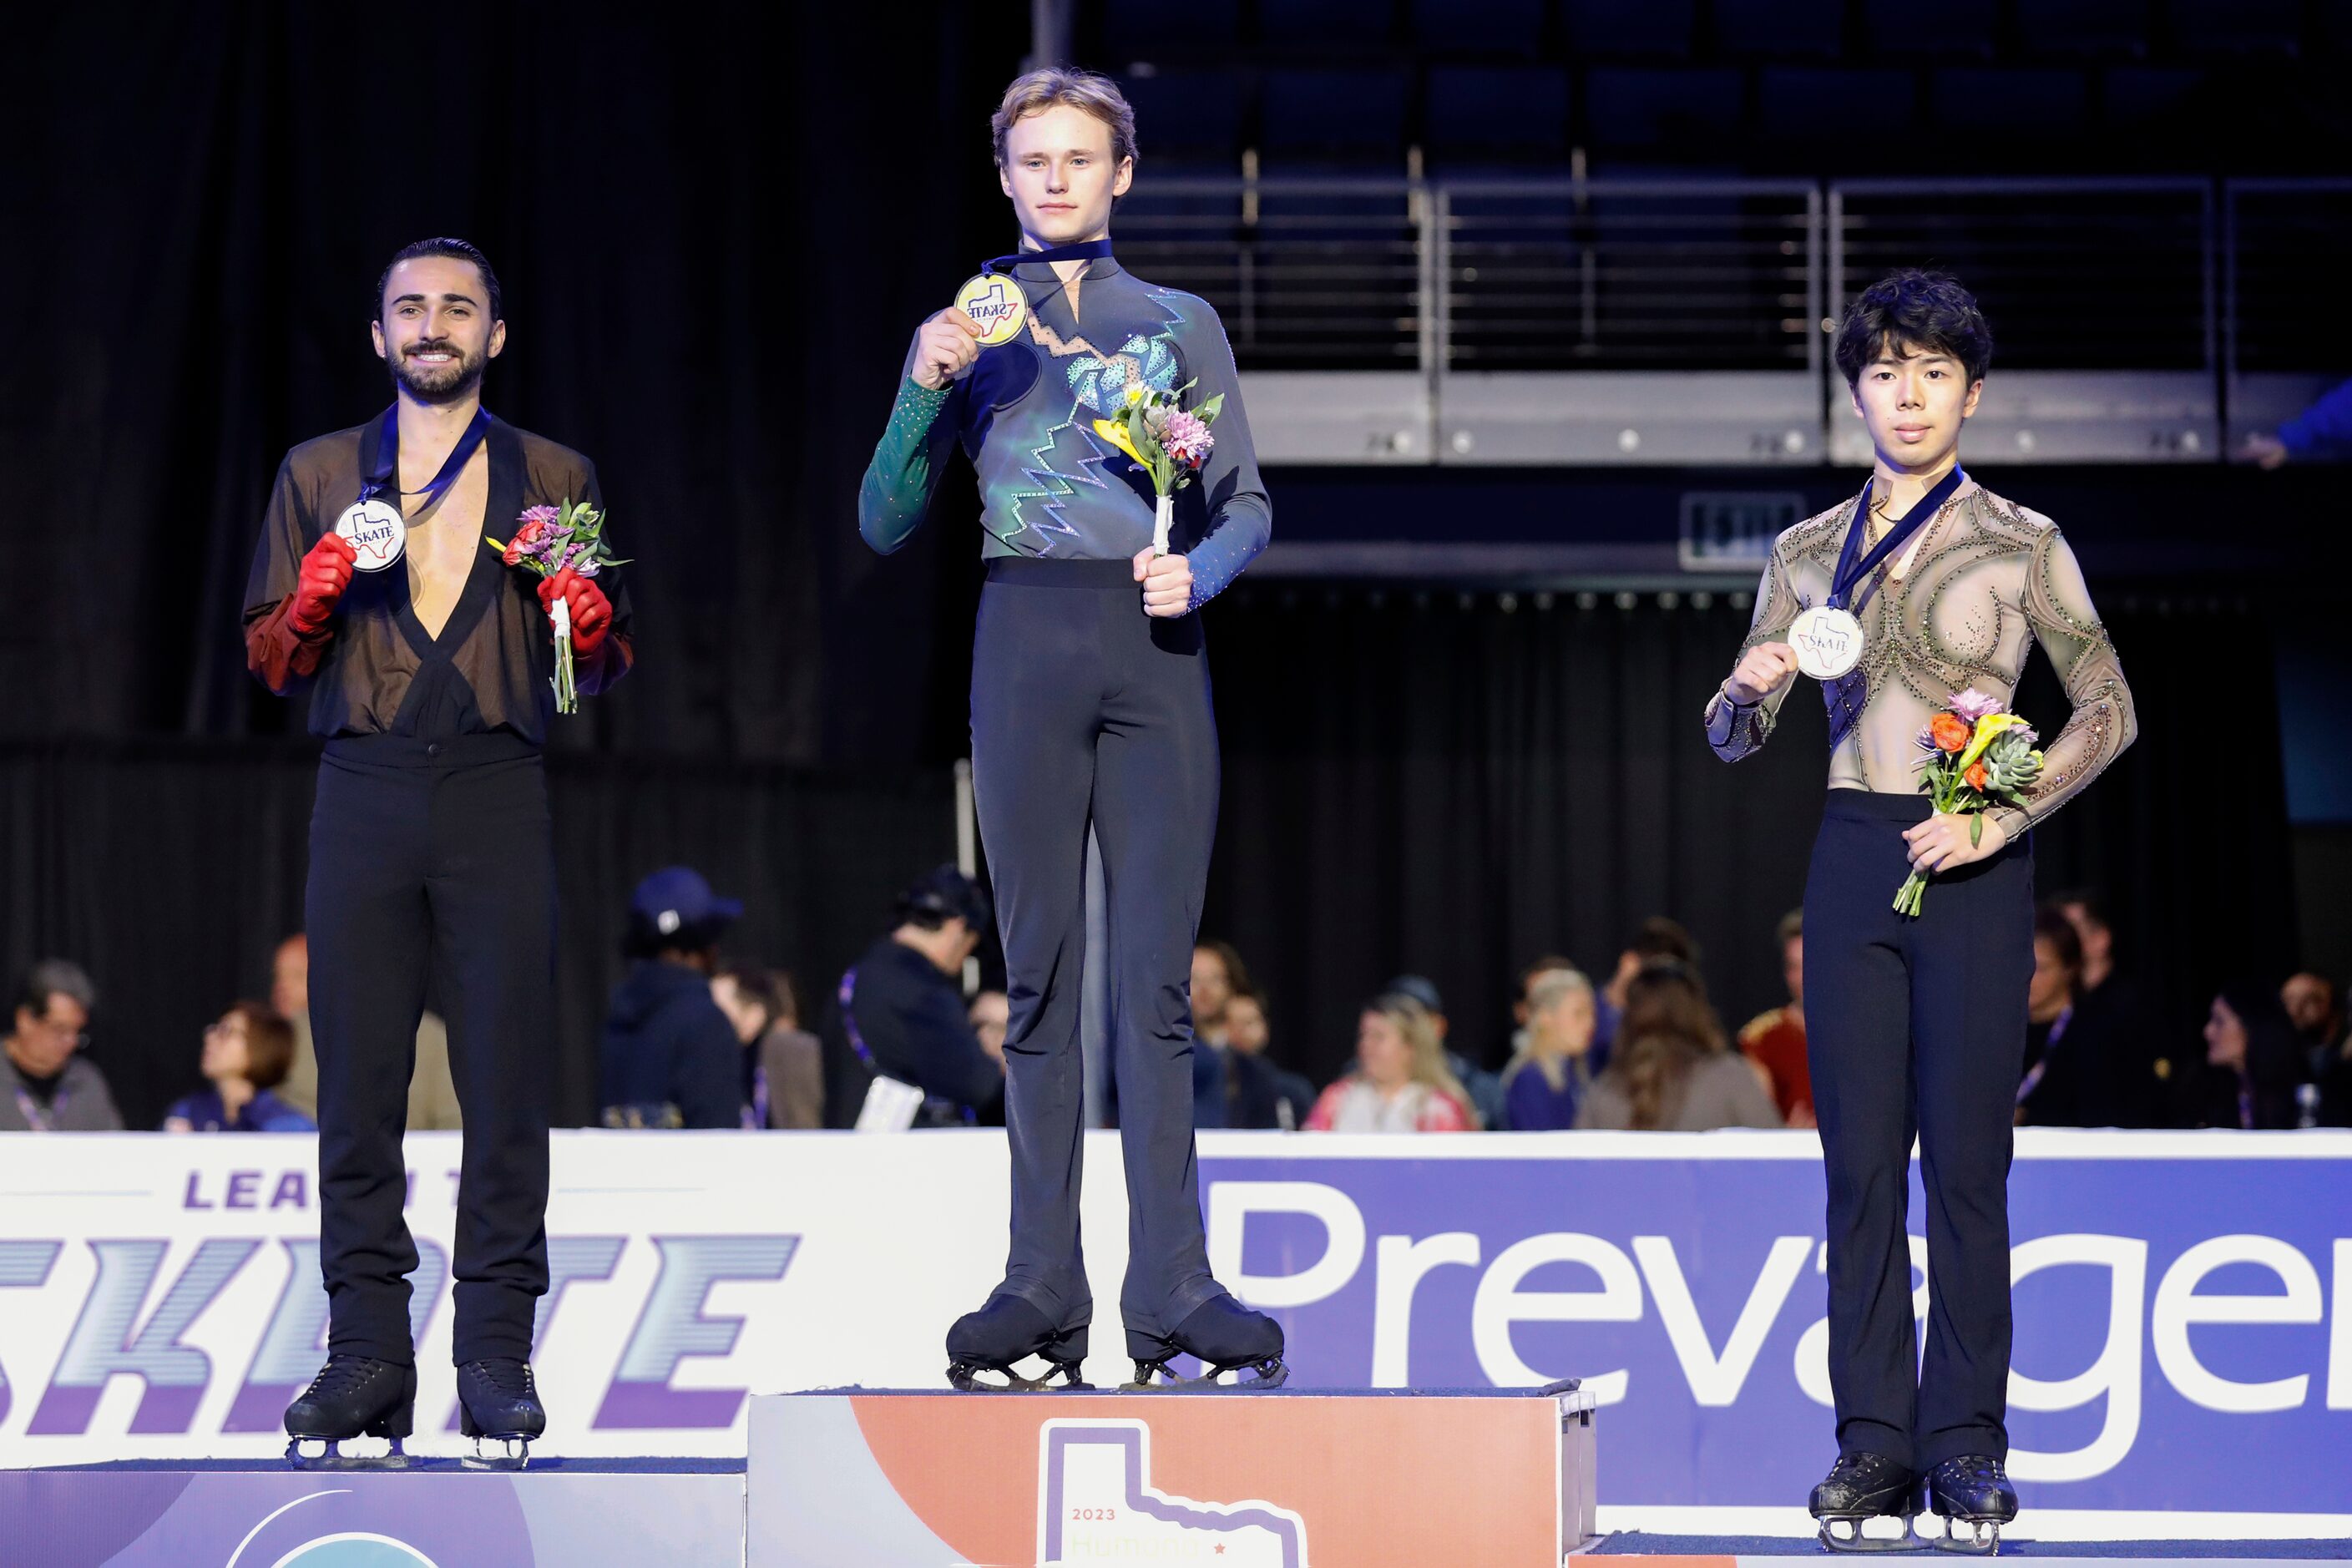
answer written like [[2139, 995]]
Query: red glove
[[326, 571], [591, 613]]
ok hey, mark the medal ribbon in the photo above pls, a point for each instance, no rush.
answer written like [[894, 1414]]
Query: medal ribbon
[[1846, 694], [1850, 571], [1084, 251], [383, 480]]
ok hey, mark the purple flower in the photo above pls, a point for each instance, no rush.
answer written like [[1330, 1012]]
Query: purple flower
[[1974, 706], [1188, 439], [1926, 739], [544, 514], [586, 566]]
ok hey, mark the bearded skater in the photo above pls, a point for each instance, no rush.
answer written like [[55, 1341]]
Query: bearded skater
[[1924, 589], [1089, 708], [426, 661]]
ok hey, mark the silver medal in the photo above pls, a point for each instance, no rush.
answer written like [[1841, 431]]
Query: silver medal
[[375, 531], [1828, 642]]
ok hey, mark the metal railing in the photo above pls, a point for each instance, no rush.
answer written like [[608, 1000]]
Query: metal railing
[[2134, 318]]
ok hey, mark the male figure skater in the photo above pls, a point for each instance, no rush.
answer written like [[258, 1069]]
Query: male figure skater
[[1089, 704], [431, 860], [1918, 1023]]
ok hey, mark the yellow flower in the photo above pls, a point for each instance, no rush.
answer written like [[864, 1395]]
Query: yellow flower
[[1991, 725], [1116, 434], [1134, 392]]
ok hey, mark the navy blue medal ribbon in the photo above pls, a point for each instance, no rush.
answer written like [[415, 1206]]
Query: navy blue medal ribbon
[[1858, 571], [1083, 250], [383, 480]]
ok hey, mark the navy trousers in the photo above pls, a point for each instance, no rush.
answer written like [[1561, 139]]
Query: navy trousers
[[432, 862], [1916, 1027], [1085, 711]]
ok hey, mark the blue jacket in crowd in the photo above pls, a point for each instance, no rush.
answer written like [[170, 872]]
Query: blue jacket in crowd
[[671, 1058]]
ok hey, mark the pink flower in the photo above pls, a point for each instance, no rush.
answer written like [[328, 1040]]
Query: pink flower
[[530, 538], [1188, 439], [1974, 706]]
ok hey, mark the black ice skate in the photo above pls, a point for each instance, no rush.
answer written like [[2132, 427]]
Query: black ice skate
[[1008, 1329], [1972, 1491], [1225, 1336], [1861, 1487], [498, 1404], [352, 1396]]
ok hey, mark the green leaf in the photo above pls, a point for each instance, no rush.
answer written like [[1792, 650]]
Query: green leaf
[[1976, 831]]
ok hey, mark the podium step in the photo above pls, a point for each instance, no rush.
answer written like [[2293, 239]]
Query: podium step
[[576, 1513], [1279, 1479]]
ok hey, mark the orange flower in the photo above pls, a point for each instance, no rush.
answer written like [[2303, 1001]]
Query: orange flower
[[1951, 732], [1977, 776]]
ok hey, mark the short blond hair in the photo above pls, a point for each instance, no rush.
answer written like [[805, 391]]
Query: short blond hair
[[1058, 85]]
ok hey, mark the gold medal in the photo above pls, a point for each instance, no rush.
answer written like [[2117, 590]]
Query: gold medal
[[996, 305]]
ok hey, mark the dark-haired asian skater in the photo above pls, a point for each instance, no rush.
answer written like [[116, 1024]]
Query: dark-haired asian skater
[[432, 863], [1917, 1025]]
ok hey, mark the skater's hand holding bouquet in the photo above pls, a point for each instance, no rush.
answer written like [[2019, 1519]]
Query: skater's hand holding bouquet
[[1170, 443], [1979, 755], [565, 546]]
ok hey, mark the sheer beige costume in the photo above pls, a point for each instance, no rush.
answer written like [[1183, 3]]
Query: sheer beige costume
[[1981, 580]]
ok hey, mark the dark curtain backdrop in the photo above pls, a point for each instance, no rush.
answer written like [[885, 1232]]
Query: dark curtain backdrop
[[716, 226], [170, 869], [1457, 784]]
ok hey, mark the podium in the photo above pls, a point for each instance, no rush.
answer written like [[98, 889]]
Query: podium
[[1278, 1479]]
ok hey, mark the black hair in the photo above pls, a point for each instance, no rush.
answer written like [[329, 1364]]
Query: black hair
[[457, 249], [2094, 906], [1910, 311], [2051, 925]]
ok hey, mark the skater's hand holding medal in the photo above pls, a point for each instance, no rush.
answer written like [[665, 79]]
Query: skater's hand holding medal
[[1828, 638], [945, 347]]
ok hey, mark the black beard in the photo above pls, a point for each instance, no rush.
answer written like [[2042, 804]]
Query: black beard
[[442, 383]]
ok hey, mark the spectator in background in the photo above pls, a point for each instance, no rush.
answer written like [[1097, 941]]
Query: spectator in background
[[1269, 1096], [900, 1014], [1483, 1088], [2315, 1007], [2148, 1084], [1547, 1078], [783, 1072], [670, 1057], [1402, 1083], [49, 1086], [246, 1052], [1218, 975], [2052, 1089], [2324, 431], [1775, 1041], [1657, 940], [1672, 1070], [2251, 1058], [431, 1092], [1550, 963]]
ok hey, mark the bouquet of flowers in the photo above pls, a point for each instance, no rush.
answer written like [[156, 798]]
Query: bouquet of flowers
[[552, 538], [1978, 755], [1167, 440]]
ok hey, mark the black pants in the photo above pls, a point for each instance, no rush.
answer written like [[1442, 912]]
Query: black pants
[[432, 862], [1085, 709], [1915, 1026]]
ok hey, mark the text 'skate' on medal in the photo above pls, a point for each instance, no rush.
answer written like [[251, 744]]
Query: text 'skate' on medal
[[996, 305], [1828, 642], [376, 532]]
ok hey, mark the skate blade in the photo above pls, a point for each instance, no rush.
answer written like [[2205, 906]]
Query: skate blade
[[511, 1452], [1983, 1538], [1263, 1375], [1858, 1542], [332, 1459], [1059, 1377]]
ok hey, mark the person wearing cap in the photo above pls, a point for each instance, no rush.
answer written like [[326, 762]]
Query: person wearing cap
[[670, 1057], [899, 1012], [1484, 1089]]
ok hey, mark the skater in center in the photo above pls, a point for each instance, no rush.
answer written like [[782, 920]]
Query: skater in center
[[1090, 710]]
